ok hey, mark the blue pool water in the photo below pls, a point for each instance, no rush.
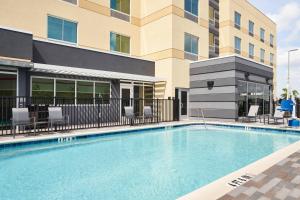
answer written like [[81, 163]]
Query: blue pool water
[[154, 164]]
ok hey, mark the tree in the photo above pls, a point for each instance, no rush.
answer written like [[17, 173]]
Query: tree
[[284, 93]]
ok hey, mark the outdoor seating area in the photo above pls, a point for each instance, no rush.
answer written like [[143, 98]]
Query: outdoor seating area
[[29, 115]]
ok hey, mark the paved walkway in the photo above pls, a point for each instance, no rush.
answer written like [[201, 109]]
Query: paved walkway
[[280, 182]]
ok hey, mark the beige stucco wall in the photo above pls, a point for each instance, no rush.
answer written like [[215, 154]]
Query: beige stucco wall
[[156, 29], [228, 31]]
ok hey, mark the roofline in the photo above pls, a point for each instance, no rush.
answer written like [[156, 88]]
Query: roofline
[[15, 30], [230, 56], [261, 12]]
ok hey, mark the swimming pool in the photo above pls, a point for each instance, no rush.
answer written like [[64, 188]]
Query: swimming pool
[[149, 164]]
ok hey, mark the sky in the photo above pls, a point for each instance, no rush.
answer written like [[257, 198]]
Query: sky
[[286, 13]]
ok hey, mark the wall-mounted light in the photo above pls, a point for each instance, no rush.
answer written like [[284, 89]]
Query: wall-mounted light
[[210, 84]]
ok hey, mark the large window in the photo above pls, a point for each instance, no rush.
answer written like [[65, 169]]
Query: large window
[[119, 43], [62, 30], [191, 44], [251, 50], [66, 90], [251, 28], [43, 88], [8, 84], [253, 94], [262, 55], [85, 92], [191, 6], [121, 6], [102, 91], [237, 20], [237, 45], [262, 34]]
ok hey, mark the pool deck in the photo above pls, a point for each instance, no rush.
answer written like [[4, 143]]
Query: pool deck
[[279, 182], [276, 176]]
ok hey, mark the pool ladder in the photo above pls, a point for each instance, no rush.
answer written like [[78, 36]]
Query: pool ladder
[[201, 115]]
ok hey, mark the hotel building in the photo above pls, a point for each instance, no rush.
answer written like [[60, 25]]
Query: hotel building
[[194, 50]]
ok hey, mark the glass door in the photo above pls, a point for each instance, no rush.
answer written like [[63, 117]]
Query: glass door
[[183, 98], [126, 96]]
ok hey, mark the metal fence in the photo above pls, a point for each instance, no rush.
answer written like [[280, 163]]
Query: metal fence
[[84, 113]]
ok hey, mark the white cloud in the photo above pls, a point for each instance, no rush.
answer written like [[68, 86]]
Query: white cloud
[[288, 24]]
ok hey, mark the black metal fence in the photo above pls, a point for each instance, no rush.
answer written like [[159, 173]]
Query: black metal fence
[[85, 113]]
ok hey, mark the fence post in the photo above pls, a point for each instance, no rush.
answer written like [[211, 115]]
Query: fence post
[[157, 117]]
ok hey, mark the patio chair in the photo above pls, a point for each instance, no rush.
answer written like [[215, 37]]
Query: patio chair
[[278, 115], [129, 114], [252, 114], [148, 114], [56, 116], [20, 117]]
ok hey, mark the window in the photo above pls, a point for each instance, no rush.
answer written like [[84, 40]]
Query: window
[[121, 5], [271, 59], [237, 45], [251, 50], [102, 91], [190, 44], [251, 28], [119, 43], [212, 15], [71, 1], [262, 34], [191, 6], [62, 30], [237, 20], [271, 40], [65, 91], [8, 85], [42, 87], [85, 92], [262, 55]]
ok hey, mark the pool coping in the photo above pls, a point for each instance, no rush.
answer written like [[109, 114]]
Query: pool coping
[[213, 190]]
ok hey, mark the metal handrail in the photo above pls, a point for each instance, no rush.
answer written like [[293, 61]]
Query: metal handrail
[[203, 118]]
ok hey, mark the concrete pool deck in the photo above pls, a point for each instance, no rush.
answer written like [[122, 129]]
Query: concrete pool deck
[[219, 188]]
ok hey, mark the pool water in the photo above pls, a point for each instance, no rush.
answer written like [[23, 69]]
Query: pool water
[[152, 164]]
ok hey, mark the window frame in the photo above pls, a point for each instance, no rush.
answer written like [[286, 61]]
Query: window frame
[[192, 36], [262, 34], [271, 59], [251, 45], [196, 15], [238, 26], [75, 84], [121, 11], [237, 51], [249, 30], [70, 2], [262, 52], [271, 40], [122, 35], [62, 41]]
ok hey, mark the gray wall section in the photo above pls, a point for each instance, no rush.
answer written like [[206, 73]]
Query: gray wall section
[[220, 101], [49, 53], [15, 44]]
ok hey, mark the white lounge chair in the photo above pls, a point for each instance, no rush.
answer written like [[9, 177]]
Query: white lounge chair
[[252, 114], [278, 115]]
